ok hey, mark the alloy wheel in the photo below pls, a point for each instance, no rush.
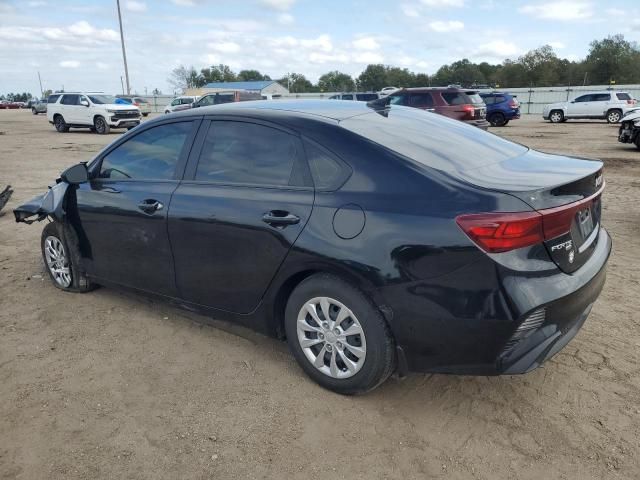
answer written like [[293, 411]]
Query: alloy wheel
[[57, 261], [100, 125], [556, 117], [613, 117], [331, 337]]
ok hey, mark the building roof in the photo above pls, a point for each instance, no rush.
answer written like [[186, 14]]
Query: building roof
[[253, 85]]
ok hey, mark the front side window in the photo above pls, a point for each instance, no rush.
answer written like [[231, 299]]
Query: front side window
[[490, 99], [175, 102], [150, 155], [246, 153], [397, 100], [366, 97], [583, 98]]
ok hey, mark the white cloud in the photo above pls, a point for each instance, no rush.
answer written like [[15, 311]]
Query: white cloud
[[69, 64], [444, 26], [366, 43], [285, 19], [36, 4], [134, 6], [557, 45], [615, 12], [410, 10], [85, 29], [368, 57], [279, 4], [567, 10], [443, 3], [497, 49], [322, 43], [225, 47]]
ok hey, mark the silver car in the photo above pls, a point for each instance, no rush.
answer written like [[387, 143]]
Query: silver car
[[180, 103], [39, 107], [608, 104]]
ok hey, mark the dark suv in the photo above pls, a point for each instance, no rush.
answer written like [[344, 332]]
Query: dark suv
[[457, 103], [501, 107]]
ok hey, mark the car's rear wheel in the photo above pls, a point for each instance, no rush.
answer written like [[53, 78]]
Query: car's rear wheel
[[338, 337], [614, 116], [556, 116], [101, 126], [506, 122], [60, 124], [34, 111], [61, 258], [497, 120]]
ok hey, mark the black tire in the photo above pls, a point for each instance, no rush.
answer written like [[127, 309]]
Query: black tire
[[506, 122], [34, 111], [67, 237], [101, 126], [60, 124], [497, 120], [556, 116], [614, 116], [637, 141], [145, 114], [379, 361]]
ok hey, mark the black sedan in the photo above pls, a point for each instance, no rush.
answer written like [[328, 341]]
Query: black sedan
[[374, 239]]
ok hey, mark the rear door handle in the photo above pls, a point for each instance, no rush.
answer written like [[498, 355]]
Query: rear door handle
[[280, 218], [150, 206]]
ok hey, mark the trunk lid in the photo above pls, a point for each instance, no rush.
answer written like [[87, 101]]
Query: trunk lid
[[565, 191]]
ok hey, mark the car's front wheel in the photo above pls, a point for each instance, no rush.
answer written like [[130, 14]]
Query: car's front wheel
[[34, 111], [60, 124], [614, 116], [61, 257], [101, 125], [556, 116], [339, 338]]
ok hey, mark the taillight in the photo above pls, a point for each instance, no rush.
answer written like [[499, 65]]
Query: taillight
[[631, 101], [501, 232], [469, 110], [514, 104]]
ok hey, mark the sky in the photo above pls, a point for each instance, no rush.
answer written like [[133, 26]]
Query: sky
[[76, 44]]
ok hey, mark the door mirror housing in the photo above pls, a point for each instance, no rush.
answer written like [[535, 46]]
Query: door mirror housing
[[84, 102], [76, 174]]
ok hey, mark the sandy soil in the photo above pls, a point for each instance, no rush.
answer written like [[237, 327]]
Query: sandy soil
[[110, 385]]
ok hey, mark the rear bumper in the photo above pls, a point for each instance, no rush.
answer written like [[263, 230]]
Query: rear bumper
[[482, 124], [487, 337]]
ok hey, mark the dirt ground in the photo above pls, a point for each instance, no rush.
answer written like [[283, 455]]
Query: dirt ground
[[109, 385]]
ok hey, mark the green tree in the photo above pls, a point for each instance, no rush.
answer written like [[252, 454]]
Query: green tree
[[613, 58], [218, 73], [249, 75], [374, 77], [297, 83], [336, 81]]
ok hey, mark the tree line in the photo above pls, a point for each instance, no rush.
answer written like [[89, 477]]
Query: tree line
[[610, 60], [16, 97]]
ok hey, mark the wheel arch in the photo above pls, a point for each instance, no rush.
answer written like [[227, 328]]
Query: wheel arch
[[286, 284]]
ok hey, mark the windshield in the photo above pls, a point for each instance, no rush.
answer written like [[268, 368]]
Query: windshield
[[102, 99]]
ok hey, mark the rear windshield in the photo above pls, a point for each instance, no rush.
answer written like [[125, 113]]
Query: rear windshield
[[475, 97], [455, 98], [623, 96], [432, 140]]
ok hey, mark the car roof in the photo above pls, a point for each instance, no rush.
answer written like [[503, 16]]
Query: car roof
[[319, 108]]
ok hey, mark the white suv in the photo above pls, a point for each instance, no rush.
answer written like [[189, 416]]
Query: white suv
[[180, 103], [609, 104], [96, 111]]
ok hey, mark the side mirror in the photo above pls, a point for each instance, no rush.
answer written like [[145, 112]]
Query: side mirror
[[76, 174], [195, 105], [84, 102]]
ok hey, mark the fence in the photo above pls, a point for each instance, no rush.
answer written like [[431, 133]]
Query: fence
[[532, 100]]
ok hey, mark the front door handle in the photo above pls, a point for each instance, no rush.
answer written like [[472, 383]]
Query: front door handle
[[280, 218], [150, 206]]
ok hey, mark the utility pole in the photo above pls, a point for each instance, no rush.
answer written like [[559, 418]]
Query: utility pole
[[122, 83], [124, 53], [41, 90]]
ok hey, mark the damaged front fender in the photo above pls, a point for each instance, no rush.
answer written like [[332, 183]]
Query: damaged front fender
[[40, 207]]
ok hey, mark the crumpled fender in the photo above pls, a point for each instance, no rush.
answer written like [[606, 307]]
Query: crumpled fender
[[50, 203]]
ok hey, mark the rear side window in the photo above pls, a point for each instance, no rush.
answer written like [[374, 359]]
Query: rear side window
[[347, 97], [53, 98], [623, 96], [601, 97], [70, 100], [455, 98], [489, 99], [247, 153], [421, 100], [366, 97], [500, 99], [327, 171], [150, 155]]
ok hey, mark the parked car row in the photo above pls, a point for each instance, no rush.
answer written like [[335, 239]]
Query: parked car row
[[7, 105]]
